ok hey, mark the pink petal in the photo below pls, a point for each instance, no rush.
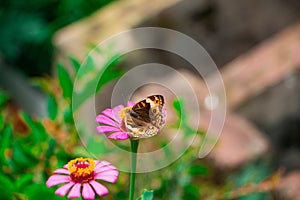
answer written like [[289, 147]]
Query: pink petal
[[106, 129], [164, 112], [130, 103], [104, 168], [87, 192], [61, 171], [108, 112], [107, 173], [105, 120], [63, 190], [102, 164], [107, 178], [115, 112], [119, 136], [75, 191], [100, 189], [57, 179]]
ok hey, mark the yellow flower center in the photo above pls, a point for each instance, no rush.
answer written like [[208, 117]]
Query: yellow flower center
[[122, 113], [81, 169]]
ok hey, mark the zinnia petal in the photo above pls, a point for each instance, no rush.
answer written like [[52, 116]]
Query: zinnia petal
[[61, 171], [119, 136], [57, 179], [103, 163], [130, 103], [63, 190], [108, 173], [108, 112], [106, 120], [80, 176], [115, 113], [107, 178], [97, 162], [104, 168], [106, 129], [75, 191], [100, 189], [87, 192]]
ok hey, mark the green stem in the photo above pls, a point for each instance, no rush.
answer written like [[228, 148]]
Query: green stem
[[134, 148]]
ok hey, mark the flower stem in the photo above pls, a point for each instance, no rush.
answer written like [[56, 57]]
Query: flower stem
[[134, 148]]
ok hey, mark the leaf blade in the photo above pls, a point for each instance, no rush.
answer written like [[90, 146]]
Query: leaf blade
[[65, 81], [146, 195]]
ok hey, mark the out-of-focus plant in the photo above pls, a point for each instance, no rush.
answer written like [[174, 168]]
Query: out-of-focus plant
[[27, 28], [79, 178], [192, 178], [32, 148], [27, 154], [146, 195]]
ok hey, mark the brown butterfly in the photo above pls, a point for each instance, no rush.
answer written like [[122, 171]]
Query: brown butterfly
[[146, 117]]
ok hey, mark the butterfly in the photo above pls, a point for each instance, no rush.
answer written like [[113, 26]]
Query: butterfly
[[146, 118]]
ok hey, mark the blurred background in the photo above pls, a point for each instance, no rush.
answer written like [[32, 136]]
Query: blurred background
[[255, 44]]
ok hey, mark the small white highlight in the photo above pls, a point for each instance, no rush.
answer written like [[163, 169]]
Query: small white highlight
[[211, 102]]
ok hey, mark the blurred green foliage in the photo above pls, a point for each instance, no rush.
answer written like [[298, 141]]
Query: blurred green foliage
[[27, 28], [253, 173], [32, 148], [107, 73], [146, 195], [27, 154]]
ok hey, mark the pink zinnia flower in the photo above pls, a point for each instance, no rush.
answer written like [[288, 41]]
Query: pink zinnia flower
[[113, 123], [133, 121], [80, 176]]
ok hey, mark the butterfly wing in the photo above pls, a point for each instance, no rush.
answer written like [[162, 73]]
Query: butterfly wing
[[145, 118], [139, 129], [155, 111], [141, 111]]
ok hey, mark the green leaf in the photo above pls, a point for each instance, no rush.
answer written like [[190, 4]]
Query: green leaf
[[99, 78], [22, 158], [3, 98], [65, 81], [87, 67], [1, 122], [5, 143], [38, 133], [255, 196], [68, 115], [182, 121], [146, 195], [7, 187], [253, 173], [191, 192], [178, 105], [24, 181], [96, 146], [198, 170], [52, 107], [40, 191], [110, 72], [75, 63], [49, 152]]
